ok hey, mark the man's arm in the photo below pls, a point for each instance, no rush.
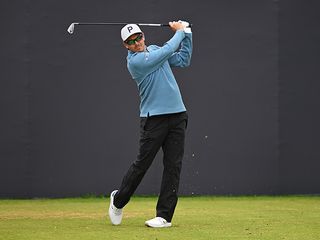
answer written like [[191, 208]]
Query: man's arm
[[147, 62], [182, 58]]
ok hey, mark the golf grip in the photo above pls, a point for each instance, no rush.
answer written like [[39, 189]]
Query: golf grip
[[167, 25], [158, 24]]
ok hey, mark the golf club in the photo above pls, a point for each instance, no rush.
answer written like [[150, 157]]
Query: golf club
[[71, 27]]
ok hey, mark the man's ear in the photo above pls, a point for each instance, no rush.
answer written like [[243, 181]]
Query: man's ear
[[125, 45]]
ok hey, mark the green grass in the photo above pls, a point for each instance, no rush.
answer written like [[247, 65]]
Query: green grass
[[290, 217]]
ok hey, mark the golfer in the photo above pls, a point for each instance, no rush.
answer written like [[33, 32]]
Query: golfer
[[163, 117]]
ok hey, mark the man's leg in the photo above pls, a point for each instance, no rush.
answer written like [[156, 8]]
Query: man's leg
[[152, 133], [173, 149]]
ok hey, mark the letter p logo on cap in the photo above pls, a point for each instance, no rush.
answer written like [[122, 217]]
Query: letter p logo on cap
[[129, 28]]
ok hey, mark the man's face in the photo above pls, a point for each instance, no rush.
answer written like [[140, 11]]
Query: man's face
[[135, 42]]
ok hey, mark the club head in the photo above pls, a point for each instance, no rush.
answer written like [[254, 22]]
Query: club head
[[71, 28]]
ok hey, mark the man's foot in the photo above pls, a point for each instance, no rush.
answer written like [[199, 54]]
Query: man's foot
[[158, 222], [115, 213]]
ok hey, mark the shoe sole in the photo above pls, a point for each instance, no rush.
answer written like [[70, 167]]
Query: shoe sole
[[162, 226]]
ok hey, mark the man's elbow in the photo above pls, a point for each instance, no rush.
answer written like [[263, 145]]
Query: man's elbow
[[186, 63]]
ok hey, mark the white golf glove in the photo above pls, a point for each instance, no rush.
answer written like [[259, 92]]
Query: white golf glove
[[187, 28]]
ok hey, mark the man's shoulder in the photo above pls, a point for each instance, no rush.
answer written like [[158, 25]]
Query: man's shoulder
[[152, 47]]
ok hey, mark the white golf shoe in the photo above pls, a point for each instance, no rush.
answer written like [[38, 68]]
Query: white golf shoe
[[158, 222], [115, 213]]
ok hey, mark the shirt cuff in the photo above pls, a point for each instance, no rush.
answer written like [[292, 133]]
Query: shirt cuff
[[187, 30]]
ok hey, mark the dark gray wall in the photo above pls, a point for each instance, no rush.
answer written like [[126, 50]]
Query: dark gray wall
[[299, 102], [69, 109]]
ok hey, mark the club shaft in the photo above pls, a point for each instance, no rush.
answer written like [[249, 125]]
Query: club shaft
[[118, 23], [71, 27]]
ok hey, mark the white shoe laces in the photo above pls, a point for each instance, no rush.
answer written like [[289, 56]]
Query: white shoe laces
[[160, 219], [116, 211]]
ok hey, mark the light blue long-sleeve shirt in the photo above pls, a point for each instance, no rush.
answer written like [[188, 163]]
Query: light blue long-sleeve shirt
[[158, 89]]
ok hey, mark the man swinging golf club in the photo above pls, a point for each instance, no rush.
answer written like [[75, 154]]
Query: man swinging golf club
[[163, 117]]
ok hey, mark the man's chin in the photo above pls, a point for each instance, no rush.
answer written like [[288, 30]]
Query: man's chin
[[140, 49]]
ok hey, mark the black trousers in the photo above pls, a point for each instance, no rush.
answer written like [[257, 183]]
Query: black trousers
[[161, 131]]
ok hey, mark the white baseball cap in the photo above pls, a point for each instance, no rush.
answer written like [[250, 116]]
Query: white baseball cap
[[129, 30]]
